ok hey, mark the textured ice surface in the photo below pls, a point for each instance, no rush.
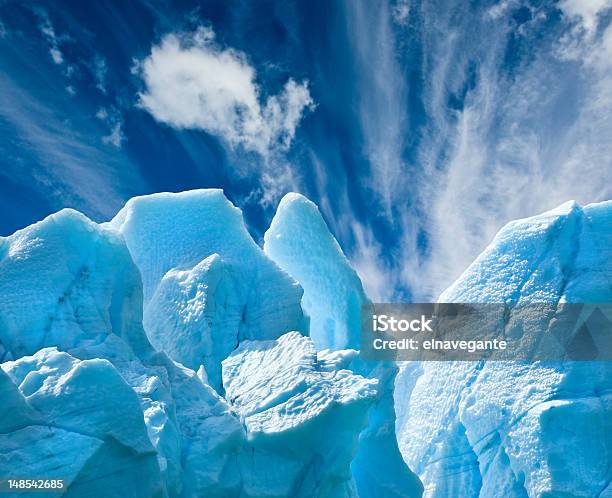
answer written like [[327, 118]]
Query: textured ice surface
[[68, 283], [194, 316], [292, 409], [64, 282], [300, 242], [199, 307], [78, 420], [86, 397], [519, 429]]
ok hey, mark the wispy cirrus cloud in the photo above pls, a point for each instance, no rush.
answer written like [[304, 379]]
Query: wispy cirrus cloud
[[515, 120], [531, 129], [99, 70], [71, 168], [401, 11], [381, 90], [587, 12]]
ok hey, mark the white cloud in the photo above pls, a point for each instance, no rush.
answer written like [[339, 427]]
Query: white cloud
[[274, 182], [48, 31], [99, 69], [586, 11], [520, 144], [56, 55], [102, 114], [584, 18], [115, 137], [382, 96], [113, 119], [401, 12], [190, 82]]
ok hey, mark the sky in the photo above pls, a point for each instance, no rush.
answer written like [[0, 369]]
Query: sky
[[418, 128]]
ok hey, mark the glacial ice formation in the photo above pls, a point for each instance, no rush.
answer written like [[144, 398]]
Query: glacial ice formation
[[78, 420], [91, 395], [300, 242], [194, 316], [476, 429], [197, 310], [69, 283], [65, 282], [292, 406], [88, 398]]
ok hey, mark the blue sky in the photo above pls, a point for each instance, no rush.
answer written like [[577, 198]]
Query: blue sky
[[418, 128]]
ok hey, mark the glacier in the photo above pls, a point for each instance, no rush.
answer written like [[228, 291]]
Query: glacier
[[199, 311], [135, 347], [300, 242], [302, 414], [165, 354], [77, 416], [517, 429], [69, 283]]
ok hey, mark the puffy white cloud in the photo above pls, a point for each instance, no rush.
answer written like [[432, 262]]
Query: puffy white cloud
[[190, 82]]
